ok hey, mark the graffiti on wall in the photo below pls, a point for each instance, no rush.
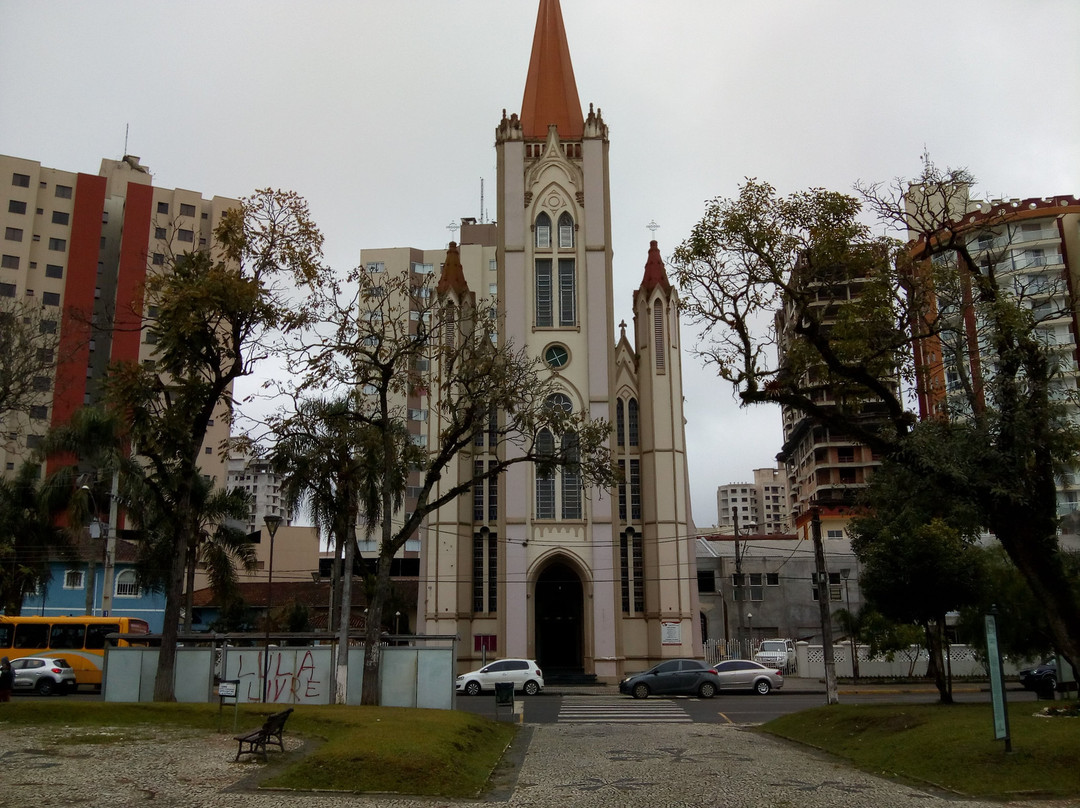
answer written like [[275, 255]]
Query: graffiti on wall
[[295, 676]]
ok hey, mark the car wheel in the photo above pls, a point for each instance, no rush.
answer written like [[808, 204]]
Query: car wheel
[[641, 691], [531, 688], [46, 687], [707, 690], [472, 688], [762, 687], [1050, 683]]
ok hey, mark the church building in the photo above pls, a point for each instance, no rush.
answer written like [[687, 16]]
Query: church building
[[590, 583]]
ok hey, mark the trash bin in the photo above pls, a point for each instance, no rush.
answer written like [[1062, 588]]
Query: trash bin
[[504, 694]]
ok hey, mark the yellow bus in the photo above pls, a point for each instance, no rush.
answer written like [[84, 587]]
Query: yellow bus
[[80, 640]]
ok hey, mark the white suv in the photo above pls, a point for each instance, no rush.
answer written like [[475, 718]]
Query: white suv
[[524, 674], [778, 654]]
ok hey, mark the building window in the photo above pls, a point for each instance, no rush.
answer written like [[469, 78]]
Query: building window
[[126, 584], [772, 579], [39, 412], [632, 421], [163, 207], [485, 572], [50, 298], [635, 490], [834, 534], [836, 588], [545, 482], [57, 244], [20, 180], [59, 217], [544, 302], [15, 206], [7, 290], [620, 422], [63, 192], [376, 266], [706, 581], [187, 210], [73, 579], [571, 478], [622, 490], [9, 262], [13, 234], [159, 259], [186, 235], [566, 232], [747, 586], [658, 335], [567, 292], [160, 233], [543, 232], [632, 571], [54, 271]]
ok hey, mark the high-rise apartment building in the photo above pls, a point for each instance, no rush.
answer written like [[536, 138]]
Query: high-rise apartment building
[[80, 246], [1033, 247], [826, 467], [762, 505], [257, 477]]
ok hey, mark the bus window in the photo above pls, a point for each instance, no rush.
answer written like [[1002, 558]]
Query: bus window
[[96, 633], [67, 635], [31, 635], [5, 635]]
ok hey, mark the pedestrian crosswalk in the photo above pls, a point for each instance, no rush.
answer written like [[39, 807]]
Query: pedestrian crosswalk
[[588, 710]]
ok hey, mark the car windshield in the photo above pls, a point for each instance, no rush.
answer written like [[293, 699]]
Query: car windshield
[[772, 646]]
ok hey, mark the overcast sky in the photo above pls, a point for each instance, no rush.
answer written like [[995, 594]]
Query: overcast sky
[[382, 114]]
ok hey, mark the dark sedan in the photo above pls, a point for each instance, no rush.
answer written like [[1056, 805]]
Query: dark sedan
[[676, 677], [1041, 678]]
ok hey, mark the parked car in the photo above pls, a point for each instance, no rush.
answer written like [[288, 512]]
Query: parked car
[[524, 674], [776, 654], [675, 677], [743, 674], [1041, 677], [44, 675]]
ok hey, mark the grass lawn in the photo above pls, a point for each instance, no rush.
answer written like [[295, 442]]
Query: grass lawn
[[442, 753], [950, 746]]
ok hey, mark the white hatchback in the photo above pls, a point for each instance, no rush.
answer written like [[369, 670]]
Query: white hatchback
[[523, 673]]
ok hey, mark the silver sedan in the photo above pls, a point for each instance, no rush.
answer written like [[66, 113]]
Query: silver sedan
[[742, 674]]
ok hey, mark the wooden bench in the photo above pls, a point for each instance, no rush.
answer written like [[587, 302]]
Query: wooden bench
[[269, 734]]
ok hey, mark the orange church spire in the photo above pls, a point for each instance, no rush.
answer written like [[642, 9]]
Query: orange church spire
[[655, 274], [551, 95], [453, 276]]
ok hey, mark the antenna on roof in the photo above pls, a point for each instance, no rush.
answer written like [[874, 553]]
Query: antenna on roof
[[483, 216], [126, 126]]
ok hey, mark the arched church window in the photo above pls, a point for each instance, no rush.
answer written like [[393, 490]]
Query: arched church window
[[545, 303], [567, 292], [566, 232], [545, 480], [632, 421], [543, 232], [571, 477], [620, 423]]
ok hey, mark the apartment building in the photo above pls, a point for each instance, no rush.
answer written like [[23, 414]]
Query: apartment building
[[762, 505], [80, 246], [257, 477], [1033, 246]]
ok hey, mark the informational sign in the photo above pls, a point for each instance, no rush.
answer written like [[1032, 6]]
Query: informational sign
[[997, 683], [670, 633], [227, 690]]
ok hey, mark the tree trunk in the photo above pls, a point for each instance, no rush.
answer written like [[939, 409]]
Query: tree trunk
[[936, 665], [341, 678], [373, 634], [189, 588], [163, 682], [831, 695]]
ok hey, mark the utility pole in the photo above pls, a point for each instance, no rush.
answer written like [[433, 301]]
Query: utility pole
[[740, 585], [831, 696]]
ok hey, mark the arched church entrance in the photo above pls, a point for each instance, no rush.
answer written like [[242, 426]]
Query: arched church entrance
[[559, 620]]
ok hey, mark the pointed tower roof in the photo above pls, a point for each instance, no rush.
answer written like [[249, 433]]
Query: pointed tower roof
[[453, 276], [655, 274], [551, 95]]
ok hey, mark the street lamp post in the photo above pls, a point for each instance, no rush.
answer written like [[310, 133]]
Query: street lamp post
[[750, 629], [272, 521]]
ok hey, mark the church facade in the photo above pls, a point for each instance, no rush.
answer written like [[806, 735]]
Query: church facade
[[587, 582]]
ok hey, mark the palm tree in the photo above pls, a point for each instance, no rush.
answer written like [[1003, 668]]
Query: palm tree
[[29, 530]]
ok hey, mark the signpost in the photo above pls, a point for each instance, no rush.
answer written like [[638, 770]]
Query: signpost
[[997, 682]]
